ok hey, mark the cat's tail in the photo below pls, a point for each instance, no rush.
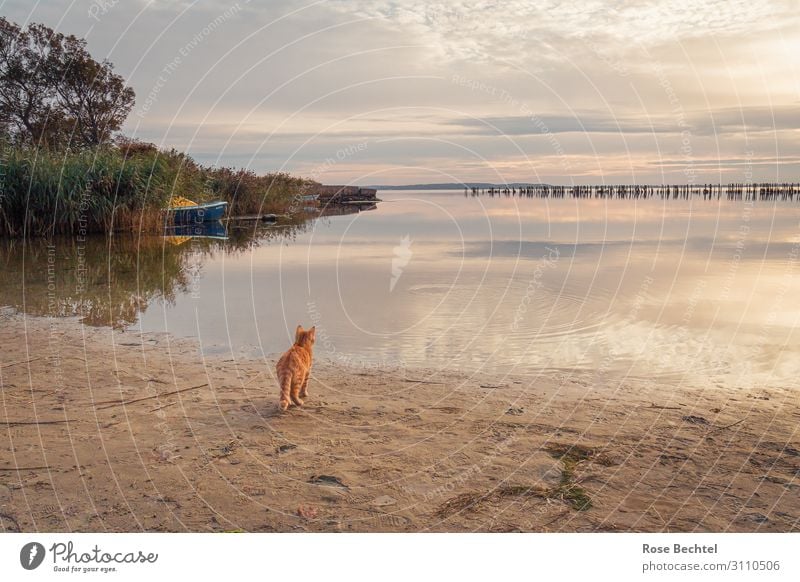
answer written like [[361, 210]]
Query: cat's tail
[[285, 382]]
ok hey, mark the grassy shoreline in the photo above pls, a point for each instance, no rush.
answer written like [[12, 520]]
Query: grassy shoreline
[[123, 188]]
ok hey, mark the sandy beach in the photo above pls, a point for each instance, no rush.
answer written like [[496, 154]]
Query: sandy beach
[[112, 431]]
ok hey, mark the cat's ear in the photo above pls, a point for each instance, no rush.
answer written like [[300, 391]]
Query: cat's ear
[[298, 333], [312, 333]]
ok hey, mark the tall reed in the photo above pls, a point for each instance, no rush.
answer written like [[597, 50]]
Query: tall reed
[[122, 188], [248, 193]]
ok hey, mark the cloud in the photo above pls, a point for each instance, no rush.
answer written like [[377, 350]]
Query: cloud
[[723, 121], [541, 124], [612, 84], [748, 119], [468, 29]]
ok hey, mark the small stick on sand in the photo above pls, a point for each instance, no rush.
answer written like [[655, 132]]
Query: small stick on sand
[[420, 381], [3, 367], [111, 403], [37, 422], [726, 426], [653, 405]]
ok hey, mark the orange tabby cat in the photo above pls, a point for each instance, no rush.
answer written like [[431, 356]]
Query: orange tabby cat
[[294, 368]]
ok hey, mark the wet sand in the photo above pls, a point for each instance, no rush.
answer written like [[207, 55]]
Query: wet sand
[[111, 431]]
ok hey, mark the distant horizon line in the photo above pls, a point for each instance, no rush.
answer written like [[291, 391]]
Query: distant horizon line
[[484, 185]]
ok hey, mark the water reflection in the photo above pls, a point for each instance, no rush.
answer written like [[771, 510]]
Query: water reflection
[[104, 282], [111, 281], [181, 233], [694, 291]]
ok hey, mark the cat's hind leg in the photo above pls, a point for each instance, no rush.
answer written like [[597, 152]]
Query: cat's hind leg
[[296, 383], [286, 385], [304, 387]]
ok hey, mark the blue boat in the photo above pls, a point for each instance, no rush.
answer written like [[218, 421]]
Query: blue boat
[[208, 212]]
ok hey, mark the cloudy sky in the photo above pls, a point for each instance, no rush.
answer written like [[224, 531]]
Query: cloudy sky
[[393, 92]]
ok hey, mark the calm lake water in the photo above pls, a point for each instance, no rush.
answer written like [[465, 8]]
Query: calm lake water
[[701, 292]]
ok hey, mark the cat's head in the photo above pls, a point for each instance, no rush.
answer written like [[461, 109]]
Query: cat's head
[[305, 337]]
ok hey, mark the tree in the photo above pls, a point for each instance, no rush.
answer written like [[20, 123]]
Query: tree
[[53, 93], [28, 61], [94, 98]]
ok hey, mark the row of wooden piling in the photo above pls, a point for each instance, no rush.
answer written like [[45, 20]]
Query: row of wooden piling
[[732, 191]]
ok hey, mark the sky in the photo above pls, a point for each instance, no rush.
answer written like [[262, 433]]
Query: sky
[[398, 92]]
